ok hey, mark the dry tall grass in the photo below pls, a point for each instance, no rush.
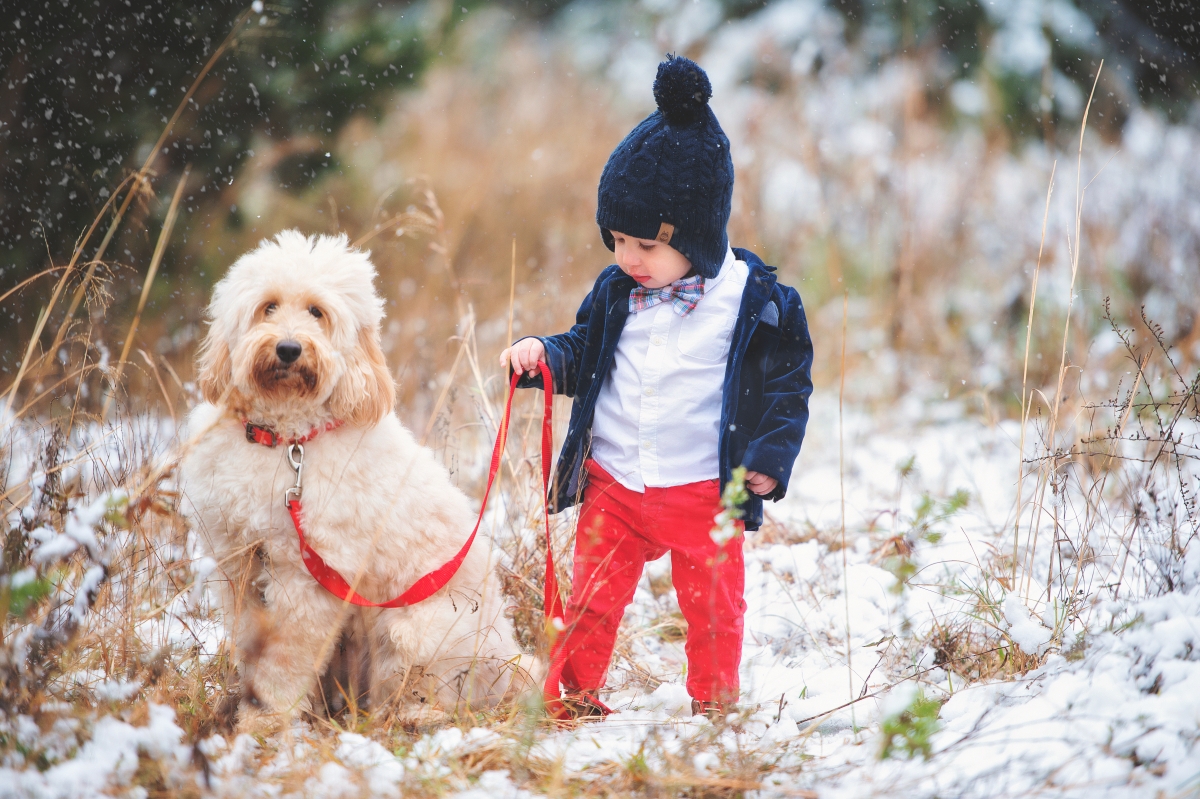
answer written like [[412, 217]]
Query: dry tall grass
[[496, 152]]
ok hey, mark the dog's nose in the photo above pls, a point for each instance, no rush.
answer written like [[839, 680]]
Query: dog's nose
[[288, 351]]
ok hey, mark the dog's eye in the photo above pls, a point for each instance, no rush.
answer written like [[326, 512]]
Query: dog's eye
[[270, 307], [315, 311]]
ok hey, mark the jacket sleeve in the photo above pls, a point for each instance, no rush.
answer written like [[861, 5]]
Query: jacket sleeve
[[775, 444], [564, 352]]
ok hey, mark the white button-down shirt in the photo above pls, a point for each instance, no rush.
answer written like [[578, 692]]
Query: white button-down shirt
[[659, 410]]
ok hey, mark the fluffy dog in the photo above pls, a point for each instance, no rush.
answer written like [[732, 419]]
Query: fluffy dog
[[293, 347]]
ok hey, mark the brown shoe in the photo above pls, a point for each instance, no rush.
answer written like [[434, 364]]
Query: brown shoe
[[581, 705], [714, 710]]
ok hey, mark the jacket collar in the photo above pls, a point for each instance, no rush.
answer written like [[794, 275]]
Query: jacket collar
[[618, 297], [759, 285]]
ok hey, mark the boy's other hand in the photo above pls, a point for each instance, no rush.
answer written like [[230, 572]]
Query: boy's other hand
[[760, 484], [524, 355]]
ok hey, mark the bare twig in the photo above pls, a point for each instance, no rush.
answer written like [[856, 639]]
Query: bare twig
[[1062, 366], [842, 487], [1026, 398], [159, 249]]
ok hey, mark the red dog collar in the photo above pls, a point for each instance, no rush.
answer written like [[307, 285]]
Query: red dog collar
[[261, 434]]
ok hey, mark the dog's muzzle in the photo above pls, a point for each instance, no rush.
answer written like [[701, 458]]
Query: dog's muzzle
[[288, 352]]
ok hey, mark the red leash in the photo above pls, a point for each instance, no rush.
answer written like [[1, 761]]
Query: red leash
[[429, 584]]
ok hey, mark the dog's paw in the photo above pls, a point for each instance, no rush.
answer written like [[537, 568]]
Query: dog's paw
[[256, 720], [525, 675], [418, 718]]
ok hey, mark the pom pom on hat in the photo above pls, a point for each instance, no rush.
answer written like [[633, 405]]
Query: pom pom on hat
[[674, 170], [681, 90]]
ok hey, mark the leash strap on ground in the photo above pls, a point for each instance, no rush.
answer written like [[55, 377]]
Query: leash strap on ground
[[434, 581], [551, 598]]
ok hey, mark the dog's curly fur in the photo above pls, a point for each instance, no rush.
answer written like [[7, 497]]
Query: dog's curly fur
[[377, 506]]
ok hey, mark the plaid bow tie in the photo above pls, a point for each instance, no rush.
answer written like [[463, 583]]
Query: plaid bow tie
[[683, 294]]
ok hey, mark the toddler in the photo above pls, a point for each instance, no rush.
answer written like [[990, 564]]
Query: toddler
[[687, 360]]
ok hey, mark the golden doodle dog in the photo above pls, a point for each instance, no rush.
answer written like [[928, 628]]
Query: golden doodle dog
[[293, 349]]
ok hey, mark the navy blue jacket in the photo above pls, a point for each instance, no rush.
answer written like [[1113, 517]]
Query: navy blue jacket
[[764, 402]]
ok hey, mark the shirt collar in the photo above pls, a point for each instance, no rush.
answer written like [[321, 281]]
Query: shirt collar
[[726, 267]]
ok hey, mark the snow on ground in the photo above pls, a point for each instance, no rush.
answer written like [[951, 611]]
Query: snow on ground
[[1113, 710], [1119, 716]]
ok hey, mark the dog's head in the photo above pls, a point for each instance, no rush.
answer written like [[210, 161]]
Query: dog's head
[[295, 324]]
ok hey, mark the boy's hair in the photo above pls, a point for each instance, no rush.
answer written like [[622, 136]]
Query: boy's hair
[[671, 179]]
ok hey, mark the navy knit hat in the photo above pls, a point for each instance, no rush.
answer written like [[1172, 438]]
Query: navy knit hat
[[671, 179]]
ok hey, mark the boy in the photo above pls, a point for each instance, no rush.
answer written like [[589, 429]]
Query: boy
[[687, 360]]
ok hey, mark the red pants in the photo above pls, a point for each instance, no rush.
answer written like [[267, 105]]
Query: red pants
[[619, 530]]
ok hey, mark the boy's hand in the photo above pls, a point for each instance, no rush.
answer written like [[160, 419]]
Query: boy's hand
[[524, 355], [760, 484]]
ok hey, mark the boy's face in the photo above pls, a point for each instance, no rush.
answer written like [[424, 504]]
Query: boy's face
[[651, 263]]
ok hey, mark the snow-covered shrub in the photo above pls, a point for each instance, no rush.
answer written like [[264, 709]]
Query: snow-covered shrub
[[55, 562]]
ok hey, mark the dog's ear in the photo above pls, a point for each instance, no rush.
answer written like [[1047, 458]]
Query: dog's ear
[[215, 368], [367, 392]]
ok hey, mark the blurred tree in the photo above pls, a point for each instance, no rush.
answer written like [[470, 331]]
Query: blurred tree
[[1158, 43], [89, 86], [1034, 48]]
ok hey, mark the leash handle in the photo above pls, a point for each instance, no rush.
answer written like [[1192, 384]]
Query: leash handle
[[432, 582]]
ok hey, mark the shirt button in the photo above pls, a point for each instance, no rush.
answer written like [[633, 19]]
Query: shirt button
[[657, 341], [649, 392], [646, 445]]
